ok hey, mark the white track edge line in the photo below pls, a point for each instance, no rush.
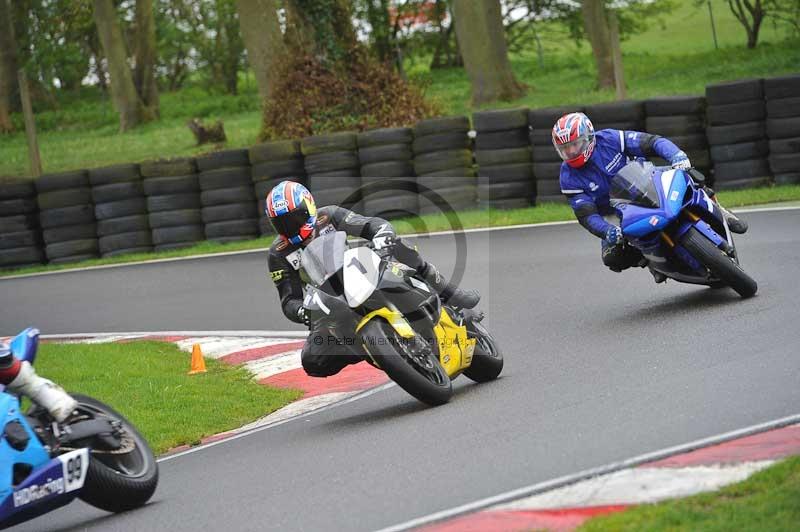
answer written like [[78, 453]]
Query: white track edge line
[[356, 397], [566, 480], [412, 235], [191, 334]]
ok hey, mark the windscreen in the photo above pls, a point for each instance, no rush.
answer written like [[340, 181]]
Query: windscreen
[[634, 184], [324, 256]]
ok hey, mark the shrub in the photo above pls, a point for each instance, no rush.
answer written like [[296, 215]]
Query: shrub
[[311, 97]]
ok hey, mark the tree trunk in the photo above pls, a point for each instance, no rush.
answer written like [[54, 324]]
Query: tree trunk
[[595, 24], [8, 66], [750, 14], [262, 38], [123, 91], [144, 72], [479, 28], [322, 27]]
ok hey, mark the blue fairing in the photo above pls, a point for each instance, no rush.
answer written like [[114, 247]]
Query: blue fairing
[[24, 345], [33, 455], [650, 202], [44, 483], [638, 221]]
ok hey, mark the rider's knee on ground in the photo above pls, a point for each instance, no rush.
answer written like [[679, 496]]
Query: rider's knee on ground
[[619, 258], [319, 365], [321, 357]]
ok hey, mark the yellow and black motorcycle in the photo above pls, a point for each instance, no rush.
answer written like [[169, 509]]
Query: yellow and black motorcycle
[[382, 311]]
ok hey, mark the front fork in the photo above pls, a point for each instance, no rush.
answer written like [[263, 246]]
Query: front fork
[[691, 220]]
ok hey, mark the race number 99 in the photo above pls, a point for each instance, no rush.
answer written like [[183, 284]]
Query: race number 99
[[74, 465]]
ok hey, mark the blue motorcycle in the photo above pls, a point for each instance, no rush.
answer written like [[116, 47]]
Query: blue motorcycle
[[677, 227], [95, 455]]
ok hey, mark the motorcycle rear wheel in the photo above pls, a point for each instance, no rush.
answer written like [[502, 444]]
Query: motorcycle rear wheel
[[117, 482], [487, 360], [719, 263], [421, 375]]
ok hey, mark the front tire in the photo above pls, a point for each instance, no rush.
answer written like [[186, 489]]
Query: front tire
[[411, 363], [719, 263], [117, 482]]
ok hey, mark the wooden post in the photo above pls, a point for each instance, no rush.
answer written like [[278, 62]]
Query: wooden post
[[616, 54], [30, 125]]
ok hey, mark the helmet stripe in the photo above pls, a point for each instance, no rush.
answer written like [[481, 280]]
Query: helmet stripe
[[291, 190]]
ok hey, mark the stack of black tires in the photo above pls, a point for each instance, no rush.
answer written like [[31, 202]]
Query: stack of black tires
[[66, 215], [503, 154], [227, 197], [443, 164], [333, 169], [389, 188], [783, 127], [627, 115], [20, 242], [173, 202], [546, 162], [271, 163], [737, 134], [121, 210], [681, 119]]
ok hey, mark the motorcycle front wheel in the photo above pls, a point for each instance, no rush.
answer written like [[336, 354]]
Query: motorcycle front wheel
[[118, 479], [410, 362], [719, 263]]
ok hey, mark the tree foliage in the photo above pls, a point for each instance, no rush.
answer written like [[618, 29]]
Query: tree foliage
[[752, 14]]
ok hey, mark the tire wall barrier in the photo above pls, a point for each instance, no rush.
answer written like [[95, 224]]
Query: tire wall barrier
[[227, 204], [20, 236], [504, 158], [120, 208], [389, 184], [739, 134], [443, 162]]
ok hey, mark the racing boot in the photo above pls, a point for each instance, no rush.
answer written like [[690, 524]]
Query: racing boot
[[735, 224], [43, 392], [450, 294]]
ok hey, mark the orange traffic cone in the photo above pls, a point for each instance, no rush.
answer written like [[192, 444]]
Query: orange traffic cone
[[198, 362]]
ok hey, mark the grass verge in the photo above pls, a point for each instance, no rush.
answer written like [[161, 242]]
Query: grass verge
[[546, 212], [148, 383], [767, 501]]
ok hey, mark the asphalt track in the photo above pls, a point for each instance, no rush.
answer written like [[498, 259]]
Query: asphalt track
[[599, 367]]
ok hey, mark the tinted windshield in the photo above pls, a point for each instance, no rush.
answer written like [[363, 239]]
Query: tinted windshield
[[324, 256], [634, 184]]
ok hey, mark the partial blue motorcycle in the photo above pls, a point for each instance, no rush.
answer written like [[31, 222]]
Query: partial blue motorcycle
[[96, 455], [677, 227]]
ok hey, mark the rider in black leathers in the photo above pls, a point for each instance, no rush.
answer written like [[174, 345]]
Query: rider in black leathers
[[296, 219]]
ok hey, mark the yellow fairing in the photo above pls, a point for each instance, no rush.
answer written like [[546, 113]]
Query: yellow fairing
[[394, 318], [455, 348]]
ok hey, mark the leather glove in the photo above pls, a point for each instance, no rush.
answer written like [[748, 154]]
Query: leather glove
[[614, 235], [680, 161], [301, 314], [384, 245]]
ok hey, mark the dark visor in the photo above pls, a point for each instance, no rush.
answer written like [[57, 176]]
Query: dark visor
[[289, 224]]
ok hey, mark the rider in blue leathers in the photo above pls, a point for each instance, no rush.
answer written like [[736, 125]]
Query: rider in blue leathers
[[591, 160]]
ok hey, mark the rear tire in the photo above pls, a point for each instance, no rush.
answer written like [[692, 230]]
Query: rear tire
[[487, 360], [720, 264], [114, 483], [432, 387]]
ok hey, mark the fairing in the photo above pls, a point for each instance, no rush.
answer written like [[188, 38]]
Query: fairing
[[657, 206]]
